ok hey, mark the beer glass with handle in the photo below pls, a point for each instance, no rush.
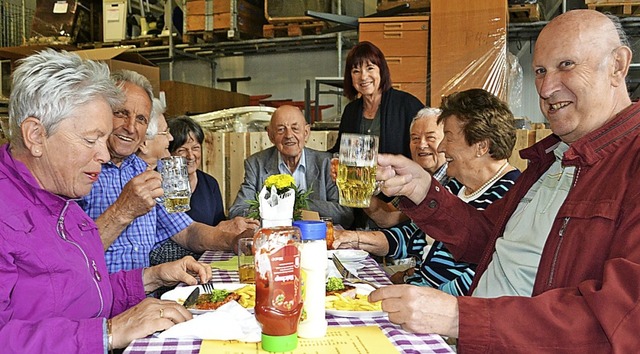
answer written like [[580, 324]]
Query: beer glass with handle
[[175, 183], [357, 169]]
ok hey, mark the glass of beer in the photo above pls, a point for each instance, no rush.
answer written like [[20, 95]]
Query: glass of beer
[[175, 183], [357, 169], [246, 266], [329, 222]]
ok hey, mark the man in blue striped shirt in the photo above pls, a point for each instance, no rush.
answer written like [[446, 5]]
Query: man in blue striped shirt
[[122, 200]]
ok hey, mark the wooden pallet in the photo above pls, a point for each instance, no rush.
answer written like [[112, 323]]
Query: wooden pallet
[[525, 13], [620, 8], [195, 37], [292, 29]]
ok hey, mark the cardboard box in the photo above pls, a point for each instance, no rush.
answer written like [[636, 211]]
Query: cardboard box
[[115, 58], [119, 58]]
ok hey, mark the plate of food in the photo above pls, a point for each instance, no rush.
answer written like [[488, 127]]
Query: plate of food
[[348, 255], [244, 294], [346, 300]]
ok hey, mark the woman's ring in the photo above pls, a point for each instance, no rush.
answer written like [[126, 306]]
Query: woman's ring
[[161, 313]]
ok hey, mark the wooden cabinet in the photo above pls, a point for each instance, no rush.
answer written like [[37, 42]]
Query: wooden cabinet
[[404, 40]]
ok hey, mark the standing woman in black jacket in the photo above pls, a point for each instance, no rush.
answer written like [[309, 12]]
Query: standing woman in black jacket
[[376, 108]]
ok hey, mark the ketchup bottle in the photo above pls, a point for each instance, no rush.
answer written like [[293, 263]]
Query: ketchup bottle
[[278, 291]]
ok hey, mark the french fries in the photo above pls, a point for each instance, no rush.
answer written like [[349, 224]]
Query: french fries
[[247, 296], [360, 303]]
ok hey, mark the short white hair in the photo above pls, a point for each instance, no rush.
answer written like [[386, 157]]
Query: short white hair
[[157, 110], [51, 85], [425, 113]]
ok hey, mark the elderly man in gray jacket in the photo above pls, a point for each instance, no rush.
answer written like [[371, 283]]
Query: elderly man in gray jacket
[[289, 132]]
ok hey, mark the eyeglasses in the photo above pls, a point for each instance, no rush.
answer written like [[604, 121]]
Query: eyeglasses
[[166, 132]]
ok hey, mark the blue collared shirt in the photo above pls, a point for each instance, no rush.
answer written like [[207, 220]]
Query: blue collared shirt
[[131, 249], [299, 175]]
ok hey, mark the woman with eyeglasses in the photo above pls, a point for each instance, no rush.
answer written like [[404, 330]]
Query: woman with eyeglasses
[[206, 199]]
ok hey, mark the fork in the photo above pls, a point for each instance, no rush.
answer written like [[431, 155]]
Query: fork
[[207, 288], [348, 276]]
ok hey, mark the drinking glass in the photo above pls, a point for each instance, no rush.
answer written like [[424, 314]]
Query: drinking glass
[[329, 236], [175, 183], [357, 169], [246, 266]]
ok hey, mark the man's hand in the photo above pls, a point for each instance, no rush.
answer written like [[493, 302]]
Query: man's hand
[[200, 237], [139, 194], [137, 198], [334, 168], [402, 176], [419, 309], [149, 316], [238, 225], [171, 273]]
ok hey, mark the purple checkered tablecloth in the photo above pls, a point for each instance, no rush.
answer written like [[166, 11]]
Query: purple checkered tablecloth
[[404, 341]]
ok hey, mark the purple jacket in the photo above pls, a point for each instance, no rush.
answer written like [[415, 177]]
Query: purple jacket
[[55, 290]]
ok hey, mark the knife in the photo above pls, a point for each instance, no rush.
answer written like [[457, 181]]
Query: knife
[[192, 298]]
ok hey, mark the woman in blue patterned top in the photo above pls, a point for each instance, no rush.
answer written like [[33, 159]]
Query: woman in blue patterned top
[[478, 139]]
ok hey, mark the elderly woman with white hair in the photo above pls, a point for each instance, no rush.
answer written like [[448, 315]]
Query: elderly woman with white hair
[[479, 136], [55, 292], [158, 136]]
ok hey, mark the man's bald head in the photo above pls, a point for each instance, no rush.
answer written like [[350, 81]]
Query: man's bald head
[[580, 64], [288, 131]]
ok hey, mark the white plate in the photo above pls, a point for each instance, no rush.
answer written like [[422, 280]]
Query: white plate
[[362, 289], [180, 294], [348, 255]]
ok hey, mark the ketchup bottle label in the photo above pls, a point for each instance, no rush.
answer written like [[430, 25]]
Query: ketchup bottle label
[[285, 294]]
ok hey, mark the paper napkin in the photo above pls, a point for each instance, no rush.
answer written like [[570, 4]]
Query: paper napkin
[[229, 322]]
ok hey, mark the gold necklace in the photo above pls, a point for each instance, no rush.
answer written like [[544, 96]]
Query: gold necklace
[[486, 184]]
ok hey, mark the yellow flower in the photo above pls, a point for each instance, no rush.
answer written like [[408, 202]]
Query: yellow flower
[[281, 181]]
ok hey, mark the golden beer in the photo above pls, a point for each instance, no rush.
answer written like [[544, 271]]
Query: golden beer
[[247, 273], [356, 185], [175, 204], [175, 184]]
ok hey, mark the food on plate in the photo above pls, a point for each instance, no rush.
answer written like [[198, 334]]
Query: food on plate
[[336, 286], [359, 303], [343, 297], [245, 296]]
